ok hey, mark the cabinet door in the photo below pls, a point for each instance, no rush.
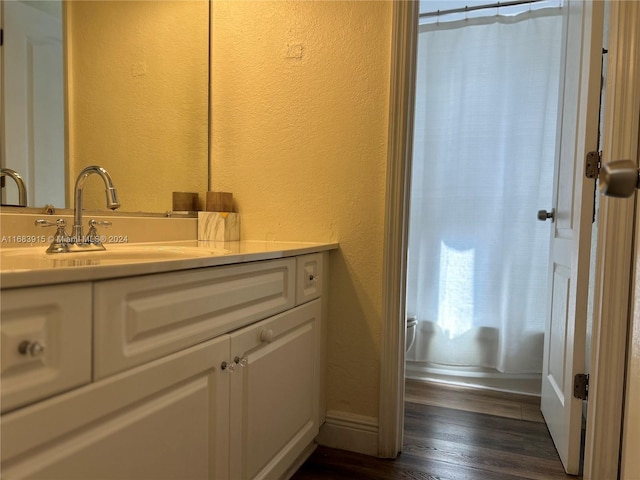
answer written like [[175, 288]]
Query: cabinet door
[[165, 420], [275, 394]]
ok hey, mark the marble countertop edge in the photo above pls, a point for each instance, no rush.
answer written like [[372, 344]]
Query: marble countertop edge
[[235, 252]]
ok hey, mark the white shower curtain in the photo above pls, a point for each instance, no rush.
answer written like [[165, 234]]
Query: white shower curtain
[[485, 136]]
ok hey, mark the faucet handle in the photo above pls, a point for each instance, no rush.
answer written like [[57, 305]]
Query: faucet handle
[[60, 223], [95, 223], [92, 236], [60, 241]]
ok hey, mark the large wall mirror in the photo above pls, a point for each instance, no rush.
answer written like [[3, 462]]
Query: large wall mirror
[[120, 84]]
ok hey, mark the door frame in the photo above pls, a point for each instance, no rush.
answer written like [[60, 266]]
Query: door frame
[[396, 226], [615, 236]]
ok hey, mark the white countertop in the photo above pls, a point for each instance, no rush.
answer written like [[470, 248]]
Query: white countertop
[[58, 268]]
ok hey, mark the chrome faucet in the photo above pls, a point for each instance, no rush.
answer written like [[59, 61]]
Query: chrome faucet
[[78, 240], [22, 188]]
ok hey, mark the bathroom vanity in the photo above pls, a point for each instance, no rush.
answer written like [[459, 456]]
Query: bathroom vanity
[[192, 366]]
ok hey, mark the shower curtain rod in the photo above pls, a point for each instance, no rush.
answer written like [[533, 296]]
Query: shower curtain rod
[[478, 7]]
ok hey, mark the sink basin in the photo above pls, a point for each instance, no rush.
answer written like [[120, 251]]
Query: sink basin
[[32, 258]]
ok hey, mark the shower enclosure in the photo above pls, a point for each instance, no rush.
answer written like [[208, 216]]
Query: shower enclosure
[[483, 162]]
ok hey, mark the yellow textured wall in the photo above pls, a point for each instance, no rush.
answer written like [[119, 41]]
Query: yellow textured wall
[[138, 103], [299, 135]]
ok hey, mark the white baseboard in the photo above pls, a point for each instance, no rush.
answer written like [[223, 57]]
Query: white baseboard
[[299, 462], [351, 432]]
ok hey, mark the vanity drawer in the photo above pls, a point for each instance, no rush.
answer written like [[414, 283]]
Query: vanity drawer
[[309, 277], [143, 318], [45, 342]]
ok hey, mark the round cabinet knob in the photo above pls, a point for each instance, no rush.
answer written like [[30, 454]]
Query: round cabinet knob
[[266, 335], [32, 349], [228, 367], [241, 362]]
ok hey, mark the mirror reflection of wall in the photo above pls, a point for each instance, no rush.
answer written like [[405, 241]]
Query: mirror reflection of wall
[[33, 107], [137, 80], [138, 98]]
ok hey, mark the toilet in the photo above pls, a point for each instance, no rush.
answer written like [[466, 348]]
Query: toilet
[[410, 336]]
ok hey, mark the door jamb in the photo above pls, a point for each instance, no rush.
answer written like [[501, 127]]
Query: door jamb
[[400, 142]]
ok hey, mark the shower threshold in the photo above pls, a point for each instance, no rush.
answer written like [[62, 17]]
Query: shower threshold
[[475, 377]]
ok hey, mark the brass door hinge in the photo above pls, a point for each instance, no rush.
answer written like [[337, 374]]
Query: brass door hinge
[[581, 386], [592, 164]]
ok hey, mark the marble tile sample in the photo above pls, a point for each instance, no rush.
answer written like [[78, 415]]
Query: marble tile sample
[[218, 226]]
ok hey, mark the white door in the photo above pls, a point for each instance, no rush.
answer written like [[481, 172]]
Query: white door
[[564, 350], [34, 100]]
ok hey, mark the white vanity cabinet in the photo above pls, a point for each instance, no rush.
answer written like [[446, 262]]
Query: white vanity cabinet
[[210, 373]]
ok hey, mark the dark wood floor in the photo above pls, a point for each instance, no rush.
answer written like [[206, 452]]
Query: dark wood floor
[[445, 443]]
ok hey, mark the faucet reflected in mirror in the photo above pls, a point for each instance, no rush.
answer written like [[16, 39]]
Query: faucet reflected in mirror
[[78, 242], [22, 188]]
